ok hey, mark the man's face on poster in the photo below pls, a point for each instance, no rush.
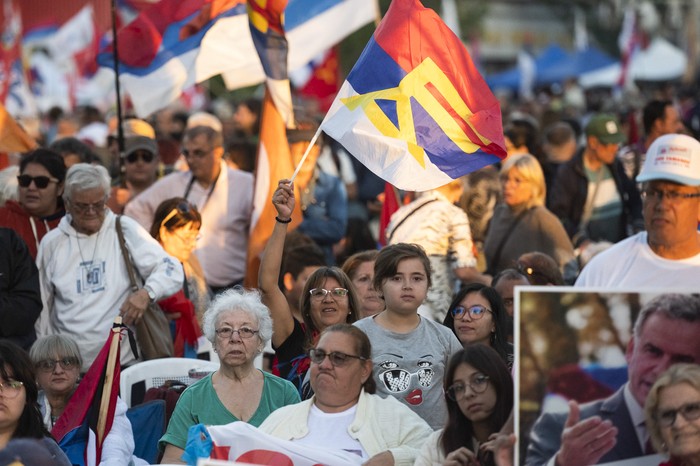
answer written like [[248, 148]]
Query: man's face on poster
[[661, 343]]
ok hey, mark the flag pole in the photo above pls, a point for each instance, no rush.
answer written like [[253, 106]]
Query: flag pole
[[120, 129], [306, 153], [109, 380]]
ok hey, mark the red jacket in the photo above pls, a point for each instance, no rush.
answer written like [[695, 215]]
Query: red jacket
[[13, 216]]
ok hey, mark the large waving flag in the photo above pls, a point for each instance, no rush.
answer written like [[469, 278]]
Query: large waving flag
[[12, 137], [274, 162], [177, 43], [87, 419], [414, 109]]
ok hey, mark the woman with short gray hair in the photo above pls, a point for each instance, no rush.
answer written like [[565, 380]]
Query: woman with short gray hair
[[239, 326], [84, 281]]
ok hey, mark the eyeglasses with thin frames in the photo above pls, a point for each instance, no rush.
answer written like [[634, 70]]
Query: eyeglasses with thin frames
[[320, 293], [48, 365], [689, 411], [41, 182], [657, 195], [337, 358], [477, 384], [476, 312], [11, 388], [83, 208], [244, 333]]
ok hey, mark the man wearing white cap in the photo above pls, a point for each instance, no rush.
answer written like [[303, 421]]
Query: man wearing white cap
[[667, 254]]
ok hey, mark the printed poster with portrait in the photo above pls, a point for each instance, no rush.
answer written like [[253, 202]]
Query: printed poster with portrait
[[575, 344]]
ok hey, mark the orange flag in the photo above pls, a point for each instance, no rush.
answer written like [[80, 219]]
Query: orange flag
[[274, 162], [12, 137]]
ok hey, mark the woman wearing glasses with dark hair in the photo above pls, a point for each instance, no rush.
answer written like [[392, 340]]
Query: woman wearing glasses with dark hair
[[672, 411], [344, 412], [479, 396], [477, 315], [40, 207], [238, 325], [328, 298], [176, 225], [57, 361], [20, 416]]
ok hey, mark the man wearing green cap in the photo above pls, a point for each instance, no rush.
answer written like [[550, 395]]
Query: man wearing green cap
[[592, 195]]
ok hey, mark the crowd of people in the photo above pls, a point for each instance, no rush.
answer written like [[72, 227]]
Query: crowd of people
[[402, 354]]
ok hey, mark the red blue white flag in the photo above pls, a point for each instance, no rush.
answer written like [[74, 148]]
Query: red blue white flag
[[88, 416], [177, 43], [414, 109]]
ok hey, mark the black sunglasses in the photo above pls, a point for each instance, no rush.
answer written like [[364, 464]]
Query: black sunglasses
[[183, 208], [39, 181], [140, 154]]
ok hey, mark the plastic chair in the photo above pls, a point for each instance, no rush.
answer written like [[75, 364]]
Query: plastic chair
[[136, 379]]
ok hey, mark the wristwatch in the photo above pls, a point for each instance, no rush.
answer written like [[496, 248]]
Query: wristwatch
[[151, 294]]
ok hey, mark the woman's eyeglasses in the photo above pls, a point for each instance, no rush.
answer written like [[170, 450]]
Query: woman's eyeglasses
[[82, 208], [11, 388], [476, 312], [689, 411], [40, 182], [337, 358], [320, 293], [48, 365], [183, 208], [245, 333], [144, 155], [477, 384]]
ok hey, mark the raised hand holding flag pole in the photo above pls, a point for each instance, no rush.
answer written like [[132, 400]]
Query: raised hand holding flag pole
[[414, 109]]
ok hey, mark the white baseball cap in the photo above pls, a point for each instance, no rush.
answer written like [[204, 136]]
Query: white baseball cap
[[672, 157]]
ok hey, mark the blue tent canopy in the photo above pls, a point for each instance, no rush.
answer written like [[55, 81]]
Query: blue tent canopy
[[553, 65], [575, 65]]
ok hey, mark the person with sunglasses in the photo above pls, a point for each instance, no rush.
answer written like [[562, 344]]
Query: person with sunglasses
[[328, 298], [140, 167], [57, 362], [83, 276], [479, 396], [477, 315], [19, 415], [345, 413], [672, 414], [176, 225], [40, 207], [238, 325]]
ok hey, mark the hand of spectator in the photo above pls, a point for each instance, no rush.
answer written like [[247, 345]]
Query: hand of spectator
[[501, 446], [384, 458], [461, 457], [135, 305], [584, 442], [283, 199]]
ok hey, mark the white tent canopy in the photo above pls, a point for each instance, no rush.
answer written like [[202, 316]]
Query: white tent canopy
[[661, 61]]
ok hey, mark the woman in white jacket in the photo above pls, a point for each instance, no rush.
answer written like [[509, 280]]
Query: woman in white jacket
[[344, 412], [57, 361], [84, 281]]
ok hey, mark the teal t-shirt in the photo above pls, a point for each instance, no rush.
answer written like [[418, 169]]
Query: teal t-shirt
[[199, 404]]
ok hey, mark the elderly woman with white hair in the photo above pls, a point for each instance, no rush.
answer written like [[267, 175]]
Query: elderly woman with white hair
[[522, 223], [239, 326], [84, 280]]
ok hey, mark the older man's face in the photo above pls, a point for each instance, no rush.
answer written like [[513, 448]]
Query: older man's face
[[87, 209], [202, 157], [671, 224], [661, 343]]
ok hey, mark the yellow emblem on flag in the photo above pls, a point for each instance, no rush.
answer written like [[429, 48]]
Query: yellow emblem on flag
[[415, 85]]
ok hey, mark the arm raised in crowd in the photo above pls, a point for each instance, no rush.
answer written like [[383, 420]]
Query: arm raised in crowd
[[270, 265]]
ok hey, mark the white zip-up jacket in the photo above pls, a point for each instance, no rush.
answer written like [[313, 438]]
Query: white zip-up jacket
[[84, 281]]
